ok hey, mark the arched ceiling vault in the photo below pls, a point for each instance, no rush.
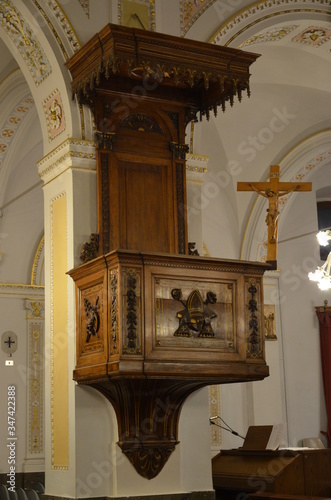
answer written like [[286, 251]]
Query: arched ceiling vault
[[290, 94]]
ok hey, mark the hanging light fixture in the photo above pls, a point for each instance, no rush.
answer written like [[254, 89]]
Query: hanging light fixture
[[324, 237], [322, 274]]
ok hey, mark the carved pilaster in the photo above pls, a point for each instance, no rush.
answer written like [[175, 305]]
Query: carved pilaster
[[105, 140], [105, 213], [181, 208], [114, 310], [34, 375], [253, 305], [90, 249], [132, 311], [178, 150]]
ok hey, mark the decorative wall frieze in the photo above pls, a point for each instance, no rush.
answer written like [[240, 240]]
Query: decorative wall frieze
[[196, 164], [35, 378], [70, 154], [215, 409], [21, 291], [190, 11], [271, 35], [13, 123], [260, 11], [68, 31], [85, 4], [315, 36], [25, 41]]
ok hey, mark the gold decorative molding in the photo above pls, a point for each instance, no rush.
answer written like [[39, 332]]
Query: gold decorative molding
[[35, 378], [37, 273], [260, 8], [206, 252], [190, 11], [13, 124], [270, 35], [21, 291], [67, 28], [85, 4], [69, 154], [25, 41], [196, 163], [215, 409], [315, 36]]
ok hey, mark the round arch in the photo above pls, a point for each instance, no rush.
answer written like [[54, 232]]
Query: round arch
[[40, 49], [300, 164]]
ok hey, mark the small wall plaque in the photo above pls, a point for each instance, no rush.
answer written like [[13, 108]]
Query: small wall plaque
[[9, 342]]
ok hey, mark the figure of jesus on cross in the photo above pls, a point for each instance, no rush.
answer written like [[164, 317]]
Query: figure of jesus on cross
[[273, 190]]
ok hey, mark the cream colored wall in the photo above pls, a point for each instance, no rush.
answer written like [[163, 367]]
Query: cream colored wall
[[21, 227], [298, 297]]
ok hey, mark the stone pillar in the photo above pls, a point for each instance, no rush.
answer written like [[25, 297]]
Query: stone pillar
[[69, 179]]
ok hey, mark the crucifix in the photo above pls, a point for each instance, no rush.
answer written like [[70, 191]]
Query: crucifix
[[10, 341], [273, 190]]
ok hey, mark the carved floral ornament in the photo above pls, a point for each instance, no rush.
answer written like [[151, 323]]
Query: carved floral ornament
[[26, 42]]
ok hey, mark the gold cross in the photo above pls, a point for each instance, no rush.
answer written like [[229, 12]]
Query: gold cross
[[273, 190]]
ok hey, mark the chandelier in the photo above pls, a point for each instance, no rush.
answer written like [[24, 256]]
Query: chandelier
[[322, 274]]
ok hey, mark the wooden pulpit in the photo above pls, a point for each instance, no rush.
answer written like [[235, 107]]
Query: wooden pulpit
[[155, 324]]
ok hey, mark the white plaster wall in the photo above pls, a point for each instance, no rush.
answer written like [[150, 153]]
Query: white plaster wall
[[21, 227], [194, 437], [218, 198], [306, 414], [13, 318]]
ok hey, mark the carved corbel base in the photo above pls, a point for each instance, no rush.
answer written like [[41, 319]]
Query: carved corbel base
[[147, 415], [153, 328]]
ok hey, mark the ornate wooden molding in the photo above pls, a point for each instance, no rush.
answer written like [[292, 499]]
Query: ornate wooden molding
[[105, 140], [142, 123], [140, 360], [178, 150], [254, 340], [216, 74], [90, 249]]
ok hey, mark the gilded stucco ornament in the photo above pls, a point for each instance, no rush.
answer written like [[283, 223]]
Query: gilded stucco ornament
[[25, 41]]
